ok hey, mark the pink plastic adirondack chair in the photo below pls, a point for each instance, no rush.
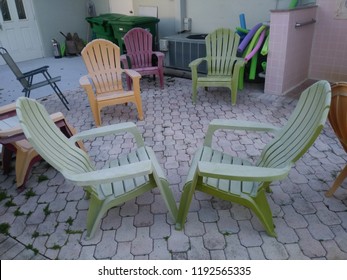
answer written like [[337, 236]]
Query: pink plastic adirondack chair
[[139, 55]]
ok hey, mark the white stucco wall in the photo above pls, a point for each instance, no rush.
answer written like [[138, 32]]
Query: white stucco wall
[[55, 16]]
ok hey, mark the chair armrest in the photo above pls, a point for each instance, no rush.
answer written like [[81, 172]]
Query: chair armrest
[[242, 172], [84, 81], [110, 129], [132, 74], [36, 71], [7, 110], [112, 174], [236, 125]]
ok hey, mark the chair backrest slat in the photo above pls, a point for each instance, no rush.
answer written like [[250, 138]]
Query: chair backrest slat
[[302, 128], [138, 43], [102, 59], [48, 140], [221, 48]]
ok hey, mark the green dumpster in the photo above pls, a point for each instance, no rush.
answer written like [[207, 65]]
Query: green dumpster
[[122, 25], [101, 27]]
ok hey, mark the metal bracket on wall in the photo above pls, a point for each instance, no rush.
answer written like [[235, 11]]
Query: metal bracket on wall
[[301, 24]]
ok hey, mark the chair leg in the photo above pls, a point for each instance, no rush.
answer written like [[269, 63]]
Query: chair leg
[[94, 215], [25, 159], [262, 210], [194, 90], [60, 95], [185, 202], [167, 195], [6, 159], [161, 79], [337, 183]]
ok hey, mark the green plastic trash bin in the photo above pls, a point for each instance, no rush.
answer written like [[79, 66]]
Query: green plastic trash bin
[[122, 25], [101, 27]]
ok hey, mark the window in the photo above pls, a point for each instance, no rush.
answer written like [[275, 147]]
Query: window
[[4, 10], [20, 9]]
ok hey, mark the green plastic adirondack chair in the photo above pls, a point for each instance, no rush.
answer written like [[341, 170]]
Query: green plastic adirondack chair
[[239, 180], [126, 177], [223, 66]]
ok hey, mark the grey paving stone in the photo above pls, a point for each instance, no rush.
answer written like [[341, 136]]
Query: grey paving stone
[[256, 253], [273, 250], [178, 242], [144, 218], [207, 214], [318, 230], [310, 246], [295, 252], [160, 251], [213, 239], [107, 247], [293, 219], [193, 226], [333, 251], [197, 250], [72, 250], [226, 224], [87, 253], [127, 231], [142, 244], [160, 228], [234, 250], [340, 237], [247, 235]]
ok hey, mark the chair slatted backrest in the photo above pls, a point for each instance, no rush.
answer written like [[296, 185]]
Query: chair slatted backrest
[[302, 128], [14, 67], [48, 140], [138, 44], [102, 59], [221, 49]]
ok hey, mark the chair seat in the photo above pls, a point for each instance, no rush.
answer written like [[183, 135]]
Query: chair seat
[[229, 187], [212, 79], [119, 188], [112, 95]]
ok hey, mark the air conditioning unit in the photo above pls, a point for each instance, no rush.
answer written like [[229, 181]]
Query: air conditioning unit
[[180, 50]]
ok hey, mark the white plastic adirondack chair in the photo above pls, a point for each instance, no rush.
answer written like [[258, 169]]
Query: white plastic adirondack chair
[[126, 178], [237, 179]]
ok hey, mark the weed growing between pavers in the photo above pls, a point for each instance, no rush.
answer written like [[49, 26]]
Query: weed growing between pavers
[[4, 228]]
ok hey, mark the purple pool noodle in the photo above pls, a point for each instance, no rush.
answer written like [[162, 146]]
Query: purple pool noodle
[[248, 37], [256, 48]]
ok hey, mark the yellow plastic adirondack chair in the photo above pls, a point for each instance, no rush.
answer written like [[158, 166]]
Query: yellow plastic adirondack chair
[[223, 67], [238, 180], [102, 59], [126, 177]]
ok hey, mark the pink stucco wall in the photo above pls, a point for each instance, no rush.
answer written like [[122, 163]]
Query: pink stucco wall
[[329, 48], [289, 49], [316, 52]]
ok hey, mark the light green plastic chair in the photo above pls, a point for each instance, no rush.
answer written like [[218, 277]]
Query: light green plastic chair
[[126, 177], [239, 180], [223, 66]]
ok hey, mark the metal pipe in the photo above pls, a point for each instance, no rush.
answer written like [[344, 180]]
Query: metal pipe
[[301, 24]]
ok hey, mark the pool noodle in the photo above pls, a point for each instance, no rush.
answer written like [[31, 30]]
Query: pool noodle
[[265, 48], [248, 37], [242, 21], [253, 41], [256, 48]]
